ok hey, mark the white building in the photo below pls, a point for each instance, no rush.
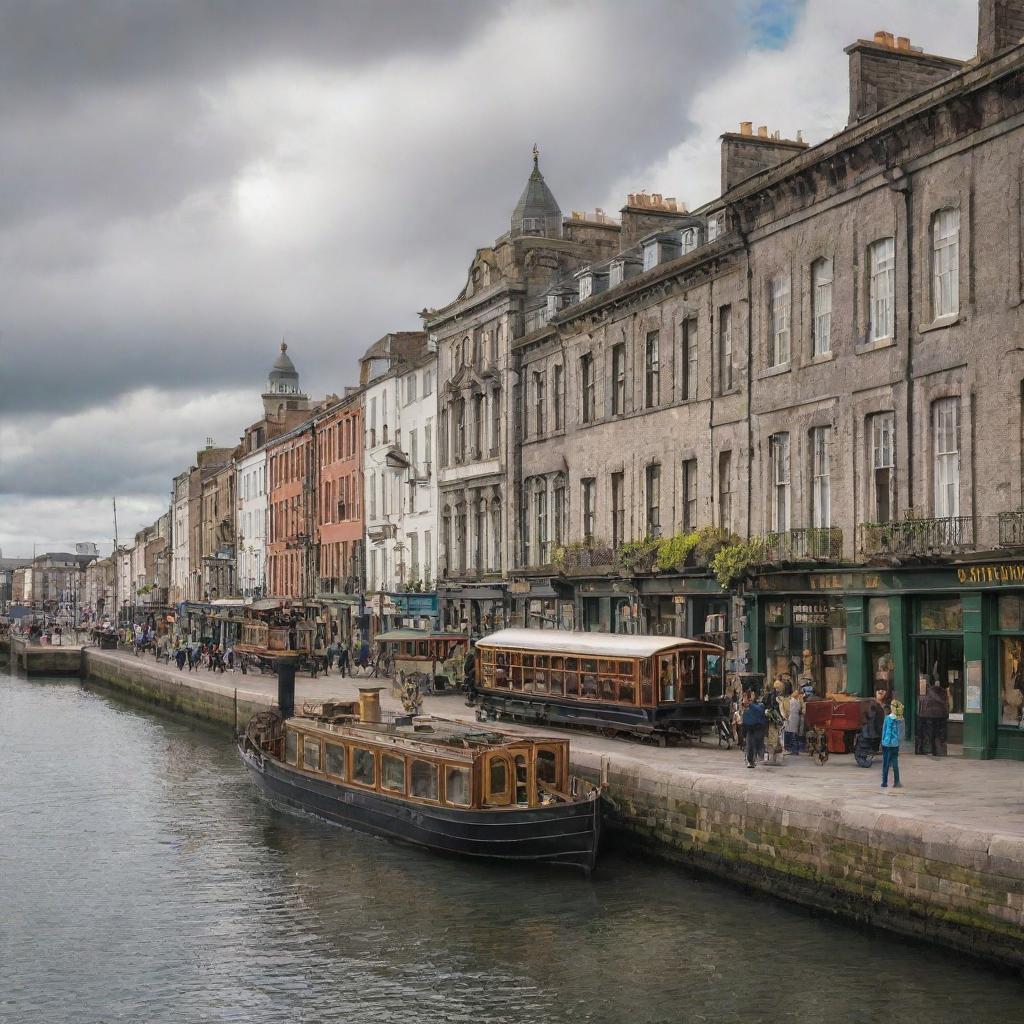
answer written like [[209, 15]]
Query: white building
[[252, 512], [180, 539], [400, 484]]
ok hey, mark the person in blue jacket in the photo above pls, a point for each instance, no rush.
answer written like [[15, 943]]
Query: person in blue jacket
[[892, 736], [755, 725]]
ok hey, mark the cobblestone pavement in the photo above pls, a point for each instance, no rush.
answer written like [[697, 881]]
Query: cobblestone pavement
[[983, 795]]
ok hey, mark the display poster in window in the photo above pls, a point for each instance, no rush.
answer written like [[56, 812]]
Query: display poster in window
[[973, 702], [815, 613], [775, 613]]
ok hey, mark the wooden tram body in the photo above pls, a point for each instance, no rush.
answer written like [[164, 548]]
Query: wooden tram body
[[436, 654], [644, 686], [272, 629]]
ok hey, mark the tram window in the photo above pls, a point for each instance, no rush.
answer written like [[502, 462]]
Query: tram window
[[392, 772], [423, 780], [626, 668], [607, 667], [335, 758], [501, 677], [456, 785], [607, 688], [627, 691], [498, 779], [291, 747], [364, 770], [540, 680], [522, 780], [572, 665], [310, 754], [527, 661], [556, 682], [487, 656], [421, 648], [590, 665], [646, 692], [666, 678], [572, 683], [502, 659], [689, 678], [547, 767], [517, 677], [556, 661], [589, 685], [409, 649], [516, 658]]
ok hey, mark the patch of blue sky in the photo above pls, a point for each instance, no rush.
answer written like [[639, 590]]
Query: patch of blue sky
[[772, 21]]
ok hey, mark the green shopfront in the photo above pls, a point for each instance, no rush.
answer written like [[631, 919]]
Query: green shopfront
[[961, 625]]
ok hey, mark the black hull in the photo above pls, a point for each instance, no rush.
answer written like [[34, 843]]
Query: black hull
[[566, 834]]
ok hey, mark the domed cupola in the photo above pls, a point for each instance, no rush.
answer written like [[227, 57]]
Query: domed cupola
[[282, 384], [537, 211]]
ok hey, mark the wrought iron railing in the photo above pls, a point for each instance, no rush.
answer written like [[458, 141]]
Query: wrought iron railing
[[801, 545], [917, 536]]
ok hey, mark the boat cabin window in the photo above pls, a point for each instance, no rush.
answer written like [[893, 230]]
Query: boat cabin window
[[364, 768], [392, 773], [310, 754], [522, 780], [456, 785], [291, 747], [497, 780], [334, 755], [547, 767], [423, 780]]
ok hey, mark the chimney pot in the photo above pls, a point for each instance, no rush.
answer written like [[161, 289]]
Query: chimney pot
[[890, 40], [902, 43], [799, 135], [880, 38], [746, 128], [762, 131]]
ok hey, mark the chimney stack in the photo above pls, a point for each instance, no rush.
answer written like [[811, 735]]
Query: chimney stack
[[746, 127], [1000, 26], [745, 154]]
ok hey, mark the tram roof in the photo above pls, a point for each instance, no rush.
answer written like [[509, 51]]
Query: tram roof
[[607, 645]]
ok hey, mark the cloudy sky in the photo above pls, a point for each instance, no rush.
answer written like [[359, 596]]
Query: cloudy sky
[[183, 184]]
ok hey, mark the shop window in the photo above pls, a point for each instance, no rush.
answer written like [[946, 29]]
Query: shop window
[[335, 760], [291, 747], [364, 768], [880, 665], [1011, 613], [423, 780], [941, 615], [310, 754], [392, 772], [1011, 674], [456, 785]]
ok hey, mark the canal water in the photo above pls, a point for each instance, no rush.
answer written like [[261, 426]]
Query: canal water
[[143, 879]]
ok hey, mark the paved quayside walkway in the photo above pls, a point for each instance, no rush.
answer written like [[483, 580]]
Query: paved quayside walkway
[[986, 796]]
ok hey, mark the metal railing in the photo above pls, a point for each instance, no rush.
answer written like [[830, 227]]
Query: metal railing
[[802, 545], [597, 556], [917, 536]]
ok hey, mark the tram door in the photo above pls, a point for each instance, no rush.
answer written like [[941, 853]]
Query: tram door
[[667, 678]]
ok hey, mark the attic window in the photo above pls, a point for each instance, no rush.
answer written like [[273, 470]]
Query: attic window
[[616, 274], [651, 255], [586, 286], [713, 228], [533, 225], [688, 239]]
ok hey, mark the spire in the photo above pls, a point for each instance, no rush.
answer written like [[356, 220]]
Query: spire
[[537, 212], [536, 158]]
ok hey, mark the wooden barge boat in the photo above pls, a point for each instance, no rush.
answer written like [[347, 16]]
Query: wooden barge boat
[[437, 784]]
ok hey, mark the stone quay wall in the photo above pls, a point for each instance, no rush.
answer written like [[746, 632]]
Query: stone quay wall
[[957, 887]]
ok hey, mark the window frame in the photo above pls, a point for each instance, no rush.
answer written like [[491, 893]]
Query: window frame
[[822, 280], [779, 327], [945, 273], [882, 289]]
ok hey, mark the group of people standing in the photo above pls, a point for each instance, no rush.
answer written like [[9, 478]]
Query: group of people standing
[[209, 656]]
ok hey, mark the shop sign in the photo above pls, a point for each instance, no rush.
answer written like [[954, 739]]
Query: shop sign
[[811, 613], [845, 581], [1002, 573], [519, 587]]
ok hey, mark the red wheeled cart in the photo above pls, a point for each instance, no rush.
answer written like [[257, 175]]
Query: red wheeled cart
[[851, 725]]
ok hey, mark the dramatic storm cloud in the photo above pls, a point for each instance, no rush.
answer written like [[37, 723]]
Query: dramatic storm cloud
[[183, 184]]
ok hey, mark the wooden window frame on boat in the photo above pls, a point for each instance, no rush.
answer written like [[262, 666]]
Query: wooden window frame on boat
[[503, 797], [292, 734], [468, 769], [372, 751], [405, 773], [435, 800], [343, 747], [307, 738]]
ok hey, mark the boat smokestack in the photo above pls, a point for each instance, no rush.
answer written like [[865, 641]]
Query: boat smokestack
[[286, 686]]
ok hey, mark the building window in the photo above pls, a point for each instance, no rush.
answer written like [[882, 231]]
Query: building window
[[619, 379], [778, 447], [558, 513], [428, 383], [495, 421], [946, 425], [725, 365], [588, 488], [689, 495], [461, 535], [496, 534], [651, 389], [479, 533], [882, 268], [689, 359], [821, 299], [821, 499], [540, 521], [558, 398], [618, 509], [538, 402], [945, 263], [725, 490], [478, 426], [460, 430], [442, 438], [883, 466], [587, 387], [410, 388], [373, 494], [652, 490], [778, 321]]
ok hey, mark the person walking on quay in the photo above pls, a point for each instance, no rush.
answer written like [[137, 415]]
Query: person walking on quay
[[180, 657], [343, 658], [794, 733], [755, 725], [332, 650], [892, 736], [932, 715]]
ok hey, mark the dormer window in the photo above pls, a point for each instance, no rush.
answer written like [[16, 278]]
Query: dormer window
[[533, 225], [688, 240], [586, 287], [553, 306], [651, 254], [713, 228]]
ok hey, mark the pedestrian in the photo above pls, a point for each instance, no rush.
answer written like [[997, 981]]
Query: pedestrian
[[892, 736], [193, 657], [343, 658], [332, 650], [932, 715], [755, 724], [180, 658], [795, 723]]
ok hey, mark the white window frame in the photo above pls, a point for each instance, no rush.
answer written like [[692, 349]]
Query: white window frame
[[821, 483], [822, 272], [882, 288], [778, 321], [778, 445], [725, 357], [946, 263], [946, 440], [883, 457]]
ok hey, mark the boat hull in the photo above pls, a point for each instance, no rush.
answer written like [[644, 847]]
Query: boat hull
[[565, 834]]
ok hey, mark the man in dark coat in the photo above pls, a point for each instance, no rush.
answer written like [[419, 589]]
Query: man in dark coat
[[755, 725]]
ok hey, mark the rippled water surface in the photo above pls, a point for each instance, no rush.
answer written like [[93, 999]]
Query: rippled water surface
[[142, 879]]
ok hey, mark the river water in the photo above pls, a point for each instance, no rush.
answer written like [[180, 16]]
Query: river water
[[143, 879]]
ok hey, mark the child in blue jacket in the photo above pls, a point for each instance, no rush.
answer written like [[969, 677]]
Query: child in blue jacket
[[892, 736]]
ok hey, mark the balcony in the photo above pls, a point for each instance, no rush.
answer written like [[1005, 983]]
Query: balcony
[[917, 537], [822, 543], [582, 556]]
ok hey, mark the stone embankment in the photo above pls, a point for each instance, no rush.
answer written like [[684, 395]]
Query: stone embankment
[[941, 859]]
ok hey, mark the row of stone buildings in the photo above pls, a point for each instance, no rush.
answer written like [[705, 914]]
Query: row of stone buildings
[[790, 418]]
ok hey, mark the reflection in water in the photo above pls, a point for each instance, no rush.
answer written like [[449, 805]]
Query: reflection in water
[[143, 879]]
